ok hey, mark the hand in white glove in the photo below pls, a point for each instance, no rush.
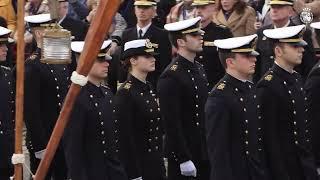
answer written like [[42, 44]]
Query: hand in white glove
[[40, 154], [188, 169], [139, 178]]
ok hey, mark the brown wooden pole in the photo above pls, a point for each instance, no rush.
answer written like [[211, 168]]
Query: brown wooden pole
[[19, 87], [94, 39]]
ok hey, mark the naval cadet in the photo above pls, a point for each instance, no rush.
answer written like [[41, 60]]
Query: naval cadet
[[209, 55], [183, 91], [145, 11], [312, 87], [232, 115], [89, 136], [6, 109], [137, 115], [283, 104], [45, 88], [280, 13]]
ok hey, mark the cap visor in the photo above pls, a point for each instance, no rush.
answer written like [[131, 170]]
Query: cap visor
[[300, 43], [254, 53]]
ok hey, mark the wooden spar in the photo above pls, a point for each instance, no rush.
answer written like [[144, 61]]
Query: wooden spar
[[94, 39], [19, 87]]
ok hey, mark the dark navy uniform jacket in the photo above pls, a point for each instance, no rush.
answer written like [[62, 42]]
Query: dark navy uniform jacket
[[285, 125], [209, 57], [7, 105], [312, 87], [183, 91], [89, 137], [234, 131], [139, 125]]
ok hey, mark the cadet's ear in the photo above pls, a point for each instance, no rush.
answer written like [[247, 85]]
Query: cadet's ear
[[229, 62], [277, 51], [133, 61], [181, 42]]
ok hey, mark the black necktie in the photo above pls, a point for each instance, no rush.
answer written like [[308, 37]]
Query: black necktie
[[140, 33]]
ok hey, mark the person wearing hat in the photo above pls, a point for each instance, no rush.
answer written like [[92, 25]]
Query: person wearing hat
[[45, 88], [145, 10], [89, 136], [312, 87], [183, 91], [280, 12], [137, 115], [283, 105], [6, 109], [209, 56], [232, 115]]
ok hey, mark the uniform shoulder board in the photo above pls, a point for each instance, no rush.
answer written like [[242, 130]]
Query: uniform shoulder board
[[268, 77], [6, 68], [222, 26], [221, 86], [127, 85], [174, 67]]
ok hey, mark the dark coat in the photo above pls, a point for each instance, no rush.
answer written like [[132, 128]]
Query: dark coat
[[286, 127], [7, 104], [45, 88], [233, 131], [89, 137], [209, 57], [266, 58], [139, 124], [77, 28], [183, 91], [156, 36], [312, 87]]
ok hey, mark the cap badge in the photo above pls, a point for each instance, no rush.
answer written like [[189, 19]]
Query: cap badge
[[148, 44], [268, 77], [306, 16], [221, 86]]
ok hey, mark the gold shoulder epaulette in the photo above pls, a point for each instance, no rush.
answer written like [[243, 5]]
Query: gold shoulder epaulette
[[174, 67], [221, 86], [127, 86], [33, 56], [268, 77]]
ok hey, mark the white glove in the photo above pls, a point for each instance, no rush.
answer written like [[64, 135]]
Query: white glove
[[40, 154], [188, 169], [139, 178]]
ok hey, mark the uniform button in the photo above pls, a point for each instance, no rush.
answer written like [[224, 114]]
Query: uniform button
[[197, 114], [59, 104], [58, 95], [246, 142], [306, 120], [259, 129], [151, 120], [294, 122], [260, 139], [306, 110], [156, 138], [246, 121], [293, 101], [57, 87], [101, 123], [192, 79], [254, 96], [188, 70], [285, 83], [197, 105], [289, 92], [200, 57], [150, 130], [197, 123], [151, 110], [259, 149], [147, 101], [116, 131], [102, 132], [294, 112], [244, 109], [197, 96], [117, 150], [158, 109], [106, 93], [110, 101], [271, 57], [1, 132], [295, 133], [236, 89], [241, 99], [51, 70], [64, 69], [308, 140], [114, 110], [55, 79], [149, 150], [157, 128], [151, 92], [157, 147], [307, 131], [258, 106], [296, 142], [259, 117], [141, 94], [150, 140], [301, 89], [158, 119], [196, 87], [96, 104], [99, 113], [104, 152], [103, 142], [247, 152], [91, 96], [246, 131], [305, 98]]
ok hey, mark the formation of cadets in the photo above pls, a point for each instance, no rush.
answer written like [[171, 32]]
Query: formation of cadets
[[193, 103]]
